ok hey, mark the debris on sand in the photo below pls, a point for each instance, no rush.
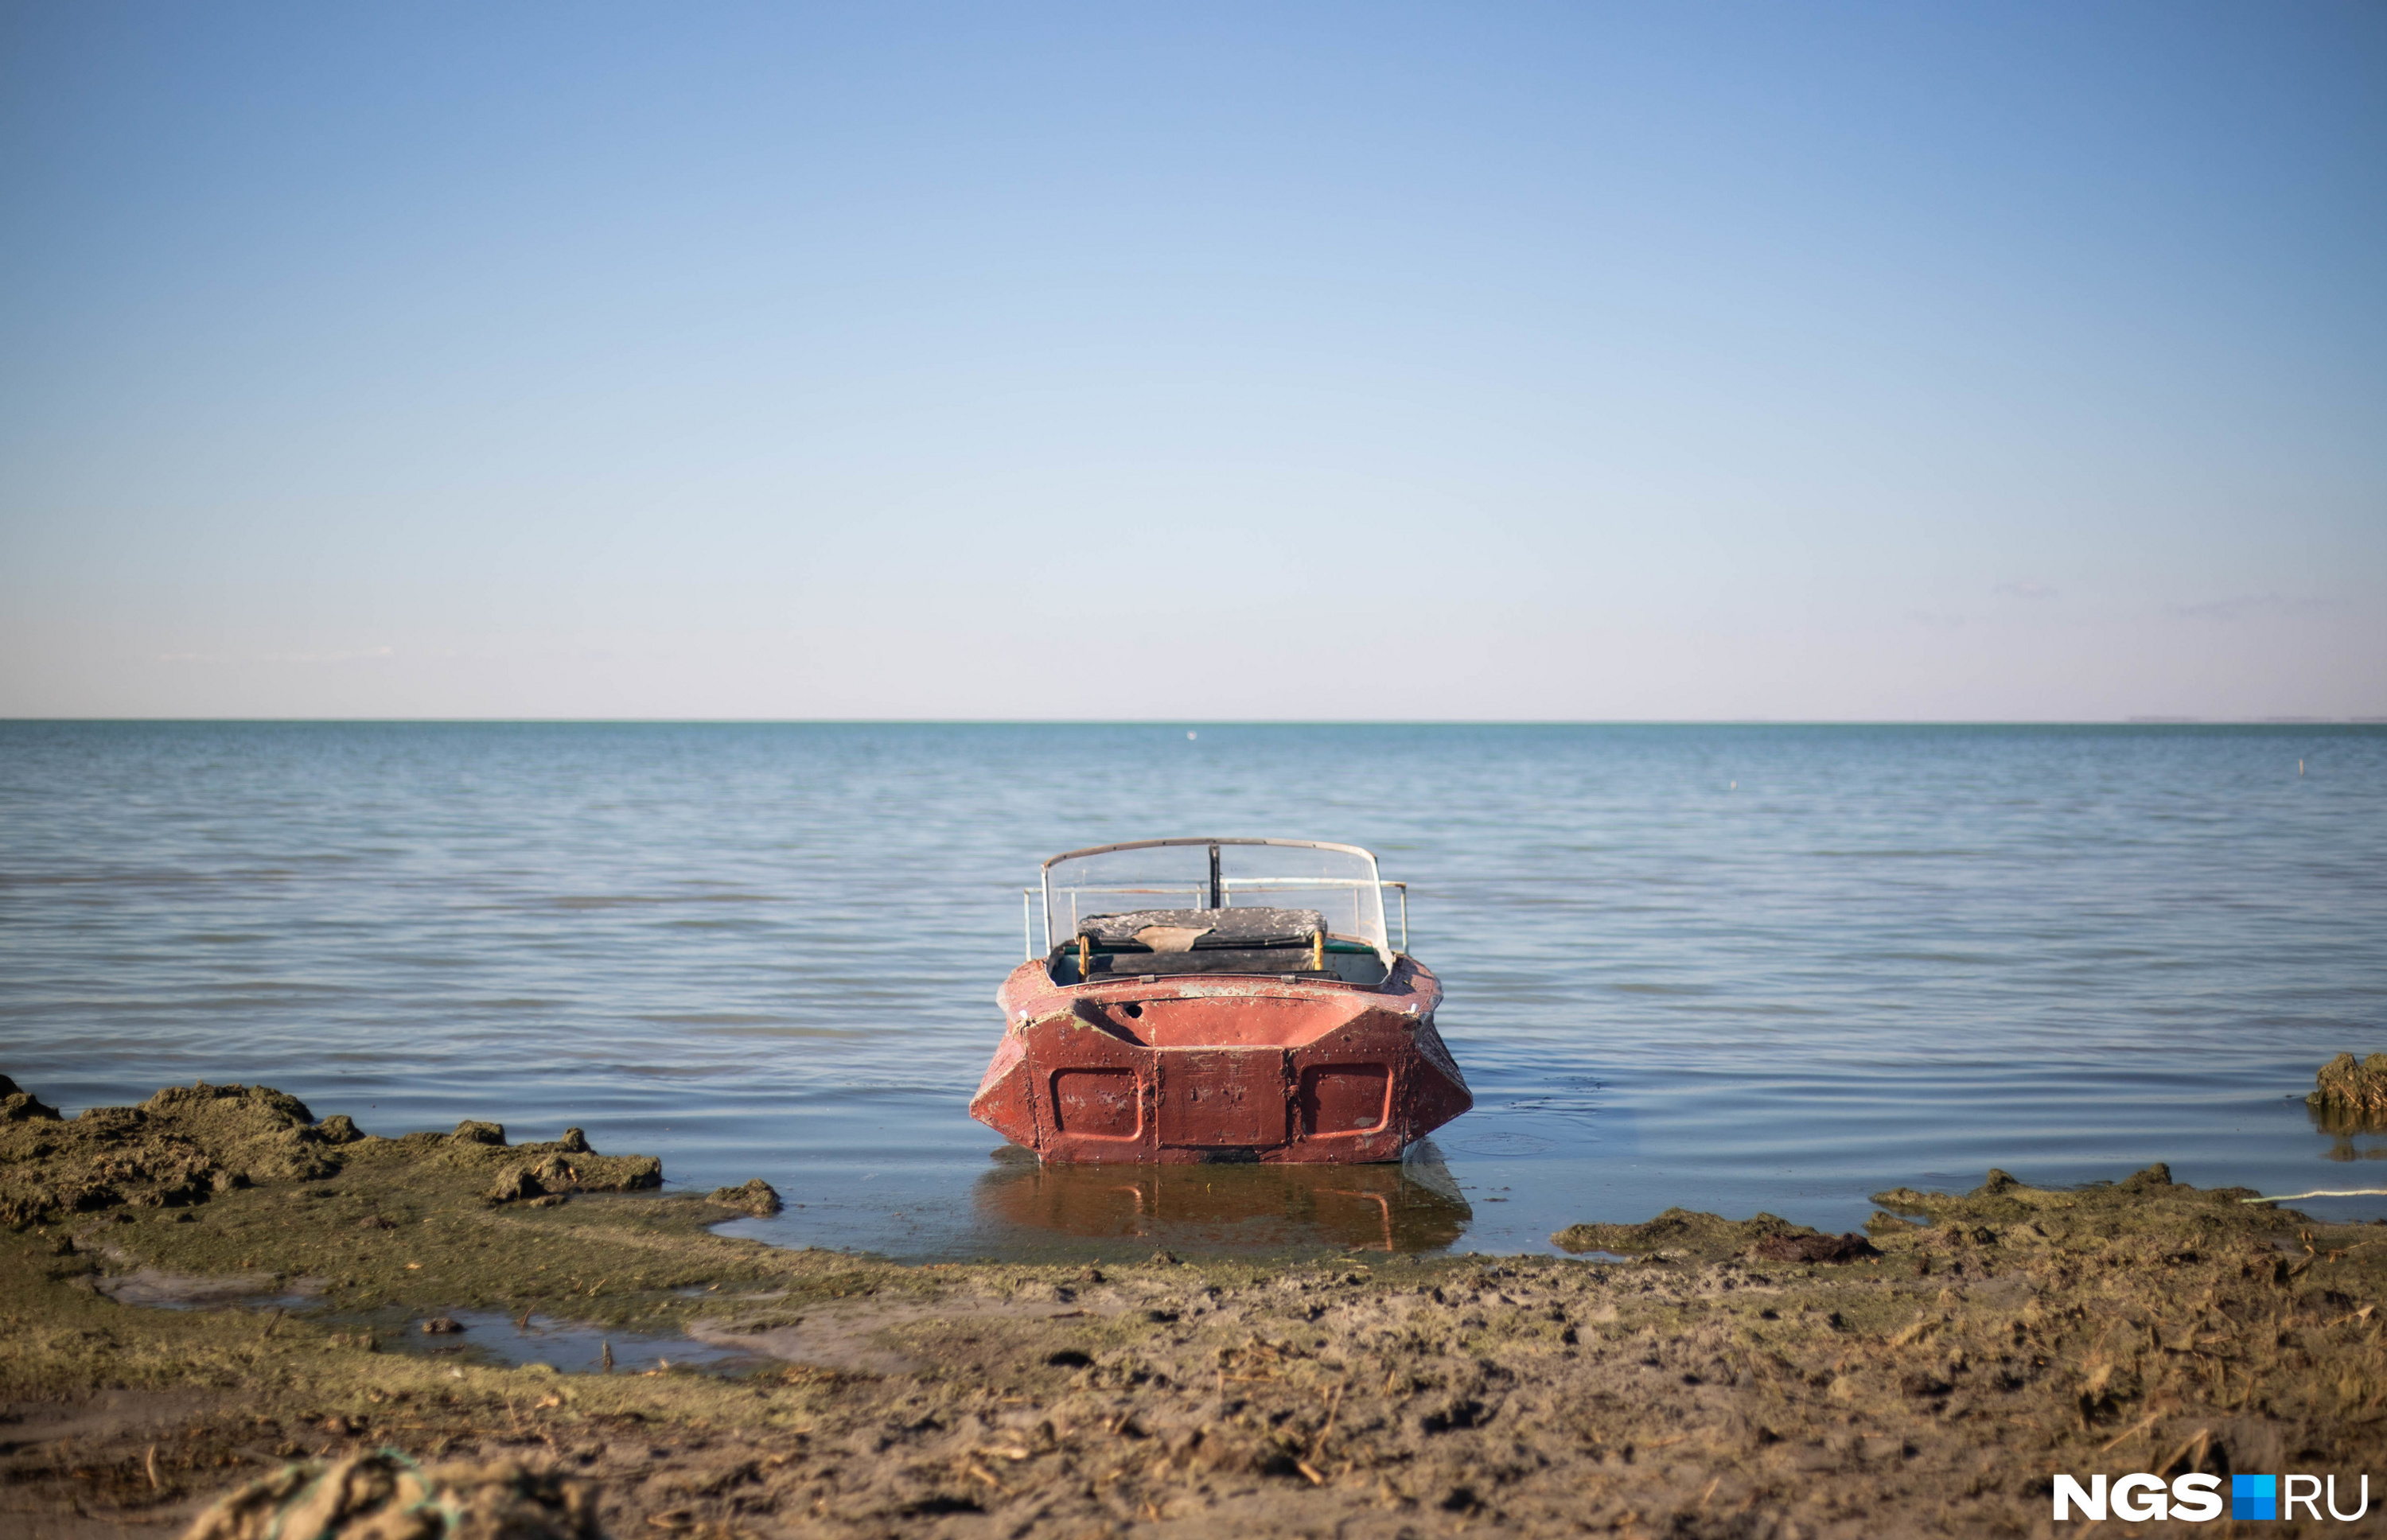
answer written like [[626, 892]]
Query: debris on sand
[[388, 1497], [756, 1197], [2351, 1092]]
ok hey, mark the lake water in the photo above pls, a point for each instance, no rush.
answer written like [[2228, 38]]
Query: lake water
[[1728, 968]]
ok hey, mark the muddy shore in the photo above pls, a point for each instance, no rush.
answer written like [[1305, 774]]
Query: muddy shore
[[217, 1287]]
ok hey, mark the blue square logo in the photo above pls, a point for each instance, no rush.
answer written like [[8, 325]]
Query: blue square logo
[[2254, 1496]]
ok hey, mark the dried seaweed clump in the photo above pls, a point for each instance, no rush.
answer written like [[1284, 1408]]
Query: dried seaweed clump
[[187, 1144], [1850, 1247], [182, 1146], [388, 1496], [541, 1174], [756, 1197], [19, 1105], [2351, 1091], [1683, 1232]]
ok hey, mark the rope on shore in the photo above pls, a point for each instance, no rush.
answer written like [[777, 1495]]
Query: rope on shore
[[2327, 1193]]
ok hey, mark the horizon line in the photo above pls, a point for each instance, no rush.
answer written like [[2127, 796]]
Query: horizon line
[[1194, 722]]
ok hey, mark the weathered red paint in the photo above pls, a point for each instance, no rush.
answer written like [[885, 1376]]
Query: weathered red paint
[[1214, 1067]]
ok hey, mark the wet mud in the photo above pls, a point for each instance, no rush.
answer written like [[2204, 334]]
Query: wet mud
[[1686, 1375]]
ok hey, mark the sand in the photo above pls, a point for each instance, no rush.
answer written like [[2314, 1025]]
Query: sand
[[1691, 1375]]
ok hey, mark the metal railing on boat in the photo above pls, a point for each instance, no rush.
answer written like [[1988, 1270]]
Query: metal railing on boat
[[1027, 897]]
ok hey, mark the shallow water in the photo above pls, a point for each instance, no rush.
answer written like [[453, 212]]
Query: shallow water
[[569, 1348], [1730, 967]]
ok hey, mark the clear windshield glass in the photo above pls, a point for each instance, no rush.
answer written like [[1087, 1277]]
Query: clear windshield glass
[[1339, 881]]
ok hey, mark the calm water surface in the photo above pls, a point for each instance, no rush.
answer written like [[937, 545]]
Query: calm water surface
[[1730, 967]]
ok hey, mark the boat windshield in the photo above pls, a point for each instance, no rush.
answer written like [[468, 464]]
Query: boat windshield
[[1339, 882]]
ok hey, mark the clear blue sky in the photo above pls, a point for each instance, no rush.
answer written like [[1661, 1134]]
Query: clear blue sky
[[1558, 362]]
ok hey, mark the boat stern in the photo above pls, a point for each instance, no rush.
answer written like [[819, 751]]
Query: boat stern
[[1175, 1070]]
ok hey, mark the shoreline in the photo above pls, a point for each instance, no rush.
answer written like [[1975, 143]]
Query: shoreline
[[1743, 1378]]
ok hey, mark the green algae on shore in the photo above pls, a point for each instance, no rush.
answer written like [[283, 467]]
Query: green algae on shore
[[214, 1182], [1703, 1388]]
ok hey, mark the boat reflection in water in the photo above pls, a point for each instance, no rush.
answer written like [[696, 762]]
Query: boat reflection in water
[[1409, 1206]]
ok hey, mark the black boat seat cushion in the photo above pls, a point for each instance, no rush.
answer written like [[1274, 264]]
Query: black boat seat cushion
[[1276, 959], [1204, 929]]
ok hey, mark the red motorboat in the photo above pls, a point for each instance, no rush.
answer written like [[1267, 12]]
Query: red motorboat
[[1219, 999]]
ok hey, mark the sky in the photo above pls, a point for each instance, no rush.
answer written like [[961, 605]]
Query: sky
[[1579, 361]]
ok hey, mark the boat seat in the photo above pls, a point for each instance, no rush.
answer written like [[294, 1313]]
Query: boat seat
[[1277, 960], [1248, 928]]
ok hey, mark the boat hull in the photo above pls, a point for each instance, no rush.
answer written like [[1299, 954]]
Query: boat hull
[[1219, 1068]]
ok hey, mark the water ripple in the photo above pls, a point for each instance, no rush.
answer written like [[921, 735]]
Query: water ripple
[[1887, 955]]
